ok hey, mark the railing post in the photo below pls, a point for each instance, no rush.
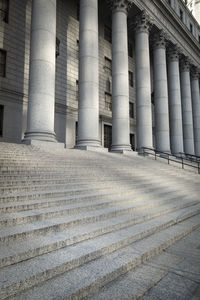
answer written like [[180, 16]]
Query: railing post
[[168, 158], [198, 168], [155, 154], [182, 163]]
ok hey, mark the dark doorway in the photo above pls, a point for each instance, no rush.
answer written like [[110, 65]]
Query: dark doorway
[[107, 136], [132, 141]]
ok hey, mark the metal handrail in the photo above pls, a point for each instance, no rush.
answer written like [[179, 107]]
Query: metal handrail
[[191, 157], [170, 157]]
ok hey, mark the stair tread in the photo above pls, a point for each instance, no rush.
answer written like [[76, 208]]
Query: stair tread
[[63, 238], [107, 267]]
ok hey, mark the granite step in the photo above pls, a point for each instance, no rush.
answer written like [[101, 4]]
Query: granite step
[[88, 182], [40, 227], [174, 268], [14, 252], [82, 269], [131, 203], [98, 198]]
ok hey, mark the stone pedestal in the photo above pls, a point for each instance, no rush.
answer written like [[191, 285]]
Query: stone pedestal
[[188, 136], [88, 106], [41, 103], [196, 110], [143, 86], [161, 94], [120, 82]]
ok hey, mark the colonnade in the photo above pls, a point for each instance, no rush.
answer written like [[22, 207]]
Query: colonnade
[[176, 92]]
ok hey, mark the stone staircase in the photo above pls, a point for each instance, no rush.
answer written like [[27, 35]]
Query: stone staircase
[[79, 225]]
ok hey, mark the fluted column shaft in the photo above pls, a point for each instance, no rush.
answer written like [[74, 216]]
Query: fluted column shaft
[[143, 84], [188, 136], [40, 118], [88, 106], [120, 83], [175, 113], [196, 111], [161, 94]]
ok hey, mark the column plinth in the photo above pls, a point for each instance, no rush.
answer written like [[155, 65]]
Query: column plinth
[[41, 103], [88, 104], [161, 93], [187, 118], [196, 109], [175, 113], [143, 83]]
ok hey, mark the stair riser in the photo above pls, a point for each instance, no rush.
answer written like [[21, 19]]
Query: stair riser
[[48, 274], [81, 221], [98, 284], [78, 238]]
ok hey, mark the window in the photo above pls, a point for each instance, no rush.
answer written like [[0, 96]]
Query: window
[[77, 10], [77, 49], [76, 90], [4, 7], [108, 101], [57, 47], [2, 63], [130, 75], [169, 1], [76, 133], [108, 66], [131, 110], [107, 34], [108, 86], [191, 27], [1, 119], [130, 50], [181, 14]]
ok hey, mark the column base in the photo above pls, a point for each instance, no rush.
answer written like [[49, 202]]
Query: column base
[[91, 148], [43, 140], [44, 144], [40, 136], [123, 149]]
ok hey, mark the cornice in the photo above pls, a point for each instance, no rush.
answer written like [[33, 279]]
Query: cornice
[[172, 25]]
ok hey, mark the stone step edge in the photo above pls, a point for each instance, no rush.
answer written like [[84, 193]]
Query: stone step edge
[[19, 257], [22, 285], [91, 206]]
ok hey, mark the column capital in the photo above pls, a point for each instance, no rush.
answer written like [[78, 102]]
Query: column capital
[[195, 73], [185, 64], [173, 53], [159, 40], [120, 5], [142, 23]]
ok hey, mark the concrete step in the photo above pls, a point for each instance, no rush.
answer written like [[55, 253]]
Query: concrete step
[[128, 203], [174, 268], [42, 185], [41, 227], [14, 252], [81, 270], [98, 199]]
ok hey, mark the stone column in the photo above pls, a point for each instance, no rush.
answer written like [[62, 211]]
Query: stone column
[[175, 113], [161, 93], [40, 118], [196, 110], [120, 83], [188, 137], [143, 83], [88, 106]]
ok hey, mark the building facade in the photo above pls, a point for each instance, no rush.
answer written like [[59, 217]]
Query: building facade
[[119, 74]]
